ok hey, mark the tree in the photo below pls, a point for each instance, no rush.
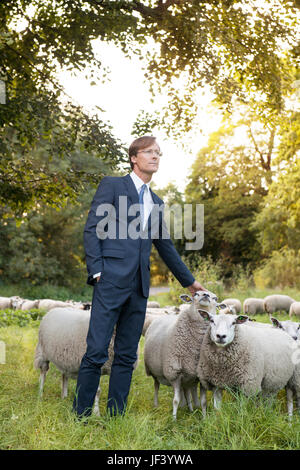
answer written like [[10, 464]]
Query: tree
[[230, 181], [214, 42]]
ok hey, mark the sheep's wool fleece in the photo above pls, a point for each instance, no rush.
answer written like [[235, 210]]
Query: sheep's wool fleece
[[62, 340], [172, 348], [257, 359]]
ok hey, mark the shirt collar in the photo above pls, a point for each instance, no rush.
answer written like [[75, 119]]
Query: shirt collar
[[138, 182]]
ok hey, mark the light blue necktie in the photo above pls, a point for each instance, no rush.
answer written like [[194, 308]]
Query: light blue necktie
[[141, 201]]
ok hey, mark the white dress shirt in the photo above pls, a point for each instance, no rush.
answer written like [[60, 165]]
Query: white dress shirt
[[148, 201]]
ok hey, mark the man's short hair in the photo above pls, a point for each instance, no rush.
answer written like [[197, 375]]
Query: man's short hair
[[140, 144]]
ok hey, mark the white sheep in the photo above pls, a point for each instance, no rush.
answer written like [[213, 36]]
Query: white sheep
[[228, 309], [253, 305], [294, 309], [62, 341], [236, 303], [239, 357], [48, 304], [153, 304], [290, 327], [29, 304], [171, 351], [5, 302], [277, 303]]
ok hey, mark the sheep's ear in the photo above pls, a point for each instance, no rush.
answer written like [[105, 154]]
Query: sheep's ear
[[222, 306], [205, 315], [186, 298], [276, 322], [241, 319]]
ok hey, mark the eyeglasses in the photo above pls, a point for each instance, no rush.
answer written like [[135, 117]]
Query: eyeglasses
[[151, 152]]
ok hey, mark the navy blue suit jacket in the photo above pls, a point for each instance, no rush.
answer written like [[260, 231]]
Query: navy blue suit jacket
[[118, 257]]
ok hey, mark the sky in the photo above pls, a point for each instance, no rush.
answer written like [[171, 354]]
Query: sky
[[123, 97]]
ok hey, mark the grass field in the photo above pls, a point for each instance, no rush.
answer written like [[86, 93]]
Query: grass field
[[30, 423]]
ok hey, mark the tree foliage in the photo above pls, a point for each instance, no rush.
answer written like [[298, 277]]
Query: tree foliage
[[183, 45]]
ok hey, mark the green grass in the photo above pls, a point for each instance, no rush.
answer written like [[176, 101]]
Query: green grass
[[30, 423]]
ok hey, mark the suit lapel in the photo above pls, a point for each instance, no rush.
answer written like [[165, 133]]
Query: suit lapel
[[131, 189]]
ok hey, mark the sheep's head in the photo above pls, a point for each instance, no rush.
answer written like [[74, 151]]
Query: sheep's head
[[222, 326], [203, 300], [290, 327]]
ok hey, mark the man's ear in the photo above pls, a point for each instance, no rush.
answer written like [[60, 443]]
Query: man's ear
[[205, 315], [275, 322], [186, 298], [241, 319]]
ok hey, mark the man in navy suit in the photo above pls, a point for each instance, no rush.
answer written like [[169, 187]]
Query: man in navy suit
[[118, 268]]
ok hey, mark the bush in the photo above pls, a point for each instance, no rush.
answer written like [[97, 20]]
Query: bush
[[20, 317], [204, 270], [281, 270]]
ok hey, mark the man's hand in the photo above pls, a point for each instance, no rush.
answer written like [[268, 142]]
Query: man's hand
[[98, 278], [195, 287]]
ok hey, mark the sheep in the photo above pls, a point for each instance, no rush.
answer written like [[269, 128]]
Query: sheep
[[5, 302], [290, 327], [171, 350], [153, 304], [48, 304], [228, 309], [238, 356], [276, 303], [235, 303], [252, 306], [148, 320], [29, 304], [62, 341], [294, 309]]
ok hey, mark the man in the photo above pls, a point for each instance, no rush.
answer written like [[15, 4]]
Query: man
[[118, 267]]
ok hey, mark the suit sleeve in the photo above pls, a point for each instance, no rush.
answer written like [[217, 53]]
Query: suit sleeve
[[171, 257], [92, 244]]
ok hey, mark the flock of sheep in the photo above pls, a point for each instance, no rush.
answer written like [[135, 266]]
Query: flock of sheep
[[201, 342]]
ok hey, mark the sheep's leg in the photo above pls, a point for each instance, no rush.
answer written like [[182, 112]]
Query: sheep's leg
[[188, 397], [289, 401], [96, 410], [195, 396], [217, 393], [44, 369], [203, 400], [41, 382], [177, 393], [183, 401], [156, 389], [64, 386]]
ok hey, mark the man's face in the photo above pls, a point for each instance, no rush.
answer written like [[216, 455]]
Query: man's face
[[147, 159]]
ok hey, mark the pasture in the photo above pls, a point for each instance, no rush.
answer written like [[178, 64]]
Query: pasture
[[30, 423]]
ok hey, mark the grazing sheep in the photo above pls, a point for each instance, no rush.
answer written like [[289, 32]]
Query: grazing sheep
[[62, 340], [252, 306], [5, 302], [172, 346], [48, 304], [235, 303], [294, 309], [153, 304], [290, 327], [29, 304], [249, 359], [277, 303]]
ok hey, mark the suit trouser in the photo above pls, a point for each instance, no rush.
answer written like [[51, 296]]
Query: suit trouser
[[125, 308]]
